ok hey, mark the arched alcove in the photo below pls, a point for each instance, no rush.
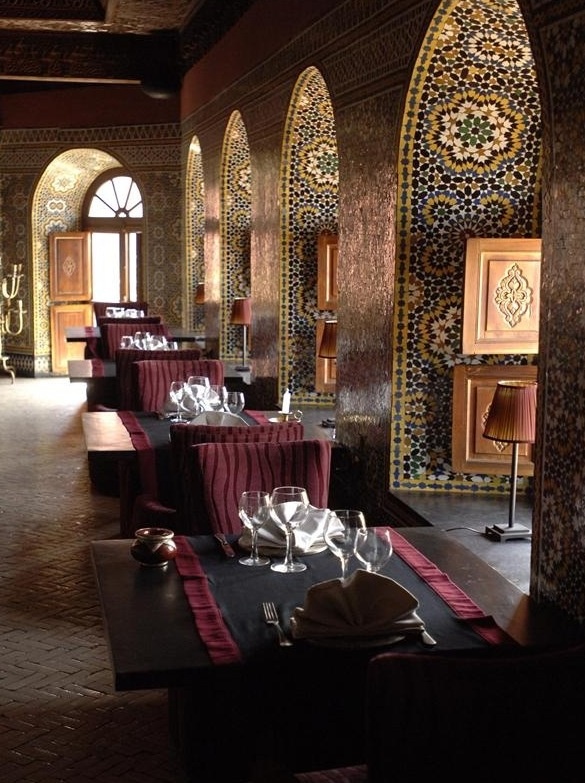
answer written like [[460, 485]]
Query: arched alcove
[[309, 182], [57, 207], [194, 234], [236, 217], [471, 155]]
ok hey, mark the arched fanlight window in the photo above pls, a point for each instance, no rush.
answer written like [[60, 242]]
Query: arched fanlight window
[[118, 197], [113, 213]]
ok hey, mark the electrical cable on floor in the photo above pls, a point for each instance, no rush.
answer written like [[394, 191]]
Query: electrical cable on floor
[[463, 527]]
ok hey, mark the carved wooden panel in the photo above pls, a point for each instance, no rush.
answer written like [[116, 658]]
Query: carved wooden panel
[[473, 391], [69, 267], [62, 317], [327, 271], [325, 369], [501, 301]]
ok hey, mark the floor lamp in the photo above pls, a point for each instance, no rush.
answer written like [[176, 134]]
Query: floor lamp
[[242, 316], [512, 419]]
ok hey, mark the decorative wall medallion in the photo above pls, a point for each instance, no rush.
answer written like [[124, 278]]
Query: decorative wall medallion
[[513, 296]]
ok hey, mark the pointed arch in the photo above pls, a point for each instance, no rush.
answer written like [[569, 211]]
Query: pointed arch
[[309, 194], [195, 233], [57, 206], [471, 152], [235, 225]]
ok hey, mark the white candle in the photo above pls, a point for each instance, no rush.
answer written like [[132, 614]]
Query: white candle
[[286, 402]]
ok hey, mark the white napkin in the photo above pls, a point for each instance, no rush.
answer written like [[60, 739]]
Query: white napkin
[[366, 604], [308, 537]]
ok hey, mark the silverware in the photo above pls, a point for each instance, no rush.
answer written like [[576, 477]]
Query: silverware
[[271, 617], [225, 545]]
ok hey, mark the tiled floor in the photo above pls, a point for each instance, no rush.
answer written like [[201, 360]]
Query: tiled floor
[[60, 719]]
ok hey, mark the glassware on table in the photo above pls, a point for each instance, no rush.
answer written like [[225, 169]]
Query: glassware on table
[[197, 388], [254, 511], [126, 341], [340, 531], [289, 507], [216, 398], [235, 401], [176, 392], [373, 547]]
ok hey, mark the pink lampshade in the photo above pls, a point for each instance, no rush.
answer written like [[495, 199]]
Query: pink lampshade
[[241, 311], [328, 344], [512, 414], [200, 293]]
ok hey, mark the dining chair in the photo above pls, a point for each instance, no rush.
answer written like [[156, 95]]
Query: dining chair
[[504, 714], [152, 378], [125, 357], [216, 474], [113, 331], [170, 505]]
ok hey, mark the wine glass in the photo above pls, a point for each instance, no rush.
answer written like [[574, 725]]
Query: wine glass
[[254, 511], [340, 531], [235, 401], [216, 397], [176, 393], [373, 547], [197, 388], [289, 507]]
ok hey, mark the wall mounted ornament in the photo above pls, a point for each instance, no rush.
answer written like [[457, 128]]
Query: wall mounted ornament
[[11, 312], [501, 302]]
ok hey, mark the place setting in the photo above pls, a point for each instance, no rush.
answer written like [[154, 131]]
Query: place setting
[[359, 610]]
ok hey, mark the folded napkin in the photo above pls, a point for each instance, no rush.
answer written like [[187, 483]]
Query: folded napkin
[[364, 605], [308, 537]]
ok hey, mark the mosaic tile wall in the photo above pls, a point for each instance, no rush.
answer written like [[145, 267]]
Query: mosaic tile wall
[[236, 215], [310, 179], [194, 234], [472, 144]]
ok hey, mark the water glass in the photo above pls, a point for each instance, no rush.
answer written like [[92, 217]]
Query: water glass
[[373, 547], [254, 511], [289, 507], [235, 401], [340, 531]]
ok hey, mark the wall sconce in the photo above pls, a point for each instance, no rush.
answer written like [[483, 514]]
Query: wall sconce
[[242, 316], [328, 344], [200, 294], [512, 419]]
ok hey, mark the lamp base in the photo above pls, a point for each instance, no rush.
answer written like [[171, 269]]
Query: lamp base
[[241, 368], [505, 532]]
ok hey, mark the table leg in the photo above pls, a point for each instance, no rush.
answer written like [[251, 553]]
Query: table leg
[[6, 367]]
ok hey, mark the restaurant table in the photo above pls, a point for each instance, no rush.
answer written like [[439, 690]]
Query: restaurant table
[[118, 442], [81, 334], [195, 627]]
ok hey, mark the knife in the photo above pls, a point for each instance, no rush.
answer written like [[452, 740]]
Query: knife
[[225, 545]]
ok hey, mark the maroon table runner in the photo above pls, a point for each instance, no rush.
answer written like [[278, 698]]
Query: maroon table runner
[[222, 647]]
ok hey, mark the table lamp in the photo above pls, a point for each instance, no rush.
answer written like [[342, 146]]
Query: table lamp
[[512, 419], [200, 293], [242, 316], [328, 344]]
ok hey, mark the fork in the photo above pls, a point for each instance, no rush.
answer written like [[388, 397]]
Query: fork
[[271, 617]]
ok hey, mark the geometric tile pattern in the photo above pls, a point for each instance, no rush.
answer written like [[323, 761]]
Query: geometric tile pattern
[[310, 184], [194, 234], [236, 217], [471, 148]]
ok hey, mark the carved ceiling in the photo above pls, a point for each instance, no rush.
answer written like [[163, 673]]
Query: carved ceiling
[[119, 41]]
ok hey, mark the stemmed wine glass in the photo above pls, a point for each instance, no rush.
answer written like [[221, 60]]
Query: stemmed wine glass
[[176, 392], [254, 511], [197, 389], [373, 547], [340, 531], [235, 401], [289, 507], [216, 397]]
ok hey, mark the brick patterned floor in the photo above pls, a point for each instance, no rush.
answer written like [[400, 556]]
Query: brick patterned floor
[[60, 719]]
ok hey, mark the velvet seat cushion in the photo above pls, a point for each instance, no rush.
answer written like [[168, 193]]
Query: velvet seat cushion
[[127, 391], [219, 472], [175, 507], [152, 378]]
